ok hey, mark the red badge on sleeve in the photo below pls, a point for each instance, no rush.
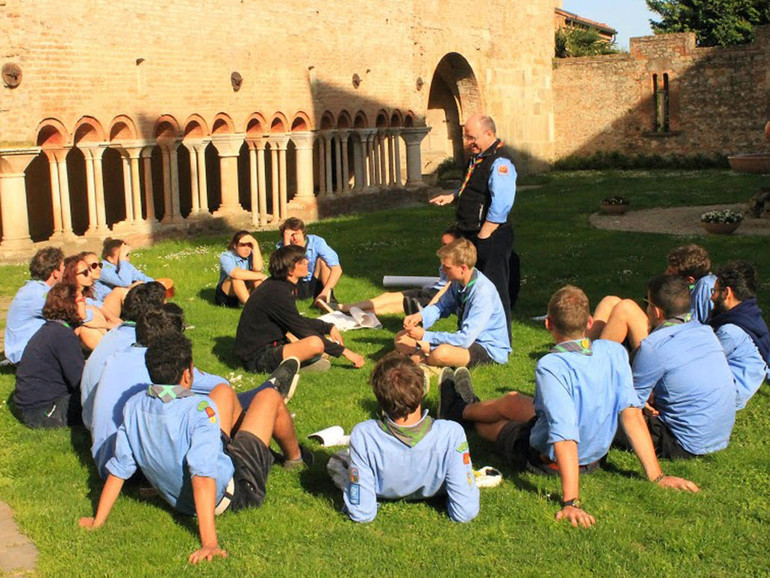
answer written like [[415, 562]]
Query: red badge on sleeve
[[502, 169]]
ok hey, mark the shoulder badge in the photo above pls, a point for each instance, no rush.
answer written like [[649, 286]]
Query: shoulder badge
[[502, 169]]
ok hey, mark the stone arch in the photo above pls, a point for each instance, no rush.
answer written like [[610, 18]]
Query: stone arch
[[195, 127], [396, 119], [327, 121], [279, 123], [88, 129], [301, 122], [454, 96], [222, 124], [361, 120], [382, 119], [343, 120], [166, 128], [122, 128], [51, 133], [409, 119], [256, 125]]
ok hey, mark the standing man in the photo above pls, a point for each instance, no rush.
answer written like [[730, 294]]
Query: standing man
[[484, 203]]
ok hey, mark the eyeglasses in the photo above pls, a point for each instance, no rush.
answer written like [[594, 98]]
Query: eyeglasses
[[470, 138], [96, 265], [85, 272], [244, 244]]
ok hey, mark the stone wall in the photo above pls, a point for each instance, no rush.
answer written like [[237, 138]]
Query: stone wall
[[719, 98]]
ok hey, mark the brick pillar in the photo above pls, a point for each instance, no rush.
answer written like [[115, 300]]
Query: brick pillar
[[13, 197], [413, 137]]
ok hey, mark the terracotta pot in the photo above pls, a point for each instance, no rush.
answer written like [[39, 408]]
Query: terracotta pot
[[720, 228], [613, 209]]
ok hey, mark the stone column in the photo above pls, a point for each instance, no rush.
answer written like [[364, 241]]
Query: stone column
[[358, 161], [261, 182], [344, 175], [303, 142], [413, 137], [198, 186], [391, 136], [149, 198], [397, 155], [321, 164], [383, 161], [329, 143], [60, 193], [279, 143], [228, 146], [97, 219], [127, 186], [338, 163], [370, 155], [13, 197], [171, 213]]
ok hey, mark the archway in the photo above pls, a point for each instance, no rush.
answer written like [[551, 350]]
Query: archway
[[454, 96]]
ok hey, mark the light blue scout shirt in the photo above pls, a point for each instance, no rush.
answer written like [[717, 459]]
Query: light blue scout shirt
[[128, 274], [383, 466], [100, 290], [480, 318], [502, 186], [229, 261], [25, 317], [117, 339], [700, 297], [316, 247], [578, 396], [748, 368], [125, 374], [685, 367], [172, 442]]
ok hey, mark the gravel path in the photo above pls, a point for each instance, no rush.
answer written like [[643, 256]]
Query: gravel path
[[683, 221]]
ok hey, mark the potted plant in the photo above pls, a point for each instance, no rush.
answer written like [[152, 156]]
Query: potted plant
[[614, 205], [722, 222]]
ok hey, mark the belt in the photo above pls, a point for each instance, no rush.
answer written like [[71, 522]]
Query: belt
[[224, 503]]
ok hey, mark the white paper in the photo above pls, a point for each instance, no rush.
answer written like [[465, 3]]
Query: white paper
[[331, 436], [357, 319], [408, 281]]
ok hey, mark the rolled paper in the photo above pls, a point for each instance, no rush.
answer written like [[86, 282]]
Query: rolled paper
[[408, 281]]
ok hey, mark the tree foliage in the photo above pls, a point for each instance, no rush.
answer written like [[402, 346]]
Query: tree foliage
[[714, 22], [578, 42]]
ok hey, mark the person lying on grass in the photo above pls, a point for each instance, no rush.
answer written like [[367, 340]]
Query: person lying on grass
[[482, 335], [203, 454], [581, 388], [406, 453]]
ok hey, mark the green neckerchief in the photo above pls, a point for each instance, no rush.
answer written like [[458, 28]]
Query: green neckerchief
[[62, 322], [463, 295], [167, 393], [676, 320], [582, 346], [410, 435]]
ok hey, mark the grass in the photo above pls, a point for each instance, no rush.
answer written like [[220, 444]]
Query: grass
[[48, 479]]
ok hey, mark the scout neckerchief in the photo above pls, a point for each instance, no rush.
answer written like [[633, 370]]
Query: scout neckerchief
[[676, 320], [463, 294], [476, 161], [167, 393], [410, 435], [582, 346]]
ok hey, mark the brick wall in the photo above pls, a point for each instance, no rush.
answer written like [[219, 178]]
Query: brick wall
[[719, 98]]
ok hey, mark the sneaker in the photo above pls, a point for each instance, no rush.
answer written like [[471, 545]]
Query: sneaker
[[305, 460], [463, 386], [416, 306], [286, 377], [319, 365], [446, 389]]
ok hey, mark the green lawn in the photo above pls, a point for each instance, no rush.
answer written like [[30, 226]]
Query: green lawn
[[48, 479]]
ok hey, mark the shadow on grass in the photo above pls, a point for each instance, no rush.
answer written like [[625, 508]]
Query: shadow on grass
[[207, 294], [371, 407], [317, 481], [223, 349]]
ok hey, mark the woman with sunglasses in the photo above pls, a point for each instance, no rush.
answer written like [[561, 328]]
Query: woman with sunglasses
[[47, 393], [112, 299], [240, 270], [97, 320], [118, 271]]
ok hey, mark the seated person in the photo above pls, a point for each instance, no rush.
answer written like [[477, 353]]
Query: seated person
[[203, 454], [324, 270], [112, 299], [261, 340], [240, 270], [47, 393], [411, 300], [621, 320], [25, 315], [482, 335], [98, 320], [738, 324], [407, 454], [139, 300], [581, 387], [682, 366], [118, 271], [125, 374]]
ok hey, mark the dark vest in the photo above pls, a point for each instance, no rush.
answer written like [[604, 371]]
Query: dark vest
[[473, 204]]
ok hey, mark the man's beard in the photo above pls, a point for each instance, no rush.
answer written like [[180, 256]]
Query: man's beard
[[719, 306]]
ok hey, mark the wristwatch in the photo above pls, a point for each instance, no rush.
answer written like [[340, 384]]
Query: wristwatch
[[574, 502], [418, 348]]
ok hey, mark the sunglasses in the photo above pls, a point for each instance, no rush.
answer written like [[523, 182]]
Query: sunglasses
[[96, 265], [244, 244], [85, 272]]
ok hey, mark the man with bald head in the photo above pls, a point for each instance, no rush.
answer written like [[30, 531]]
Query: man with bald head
[[484, 202]]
